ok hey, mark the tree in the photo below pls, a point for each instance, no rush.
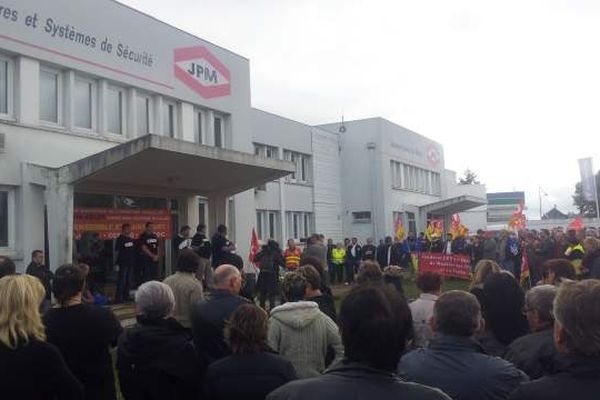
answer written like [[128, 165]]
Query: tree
[[586, 208], [469, 178]]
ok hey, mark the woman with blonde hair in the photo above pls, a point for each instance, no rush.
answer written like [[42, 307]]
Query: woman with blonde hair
[[30, 368], [483, 270]]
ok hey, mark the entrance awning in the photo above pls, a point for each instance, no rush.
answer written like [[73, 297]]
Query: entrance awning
[[454, 205], [163, 165]]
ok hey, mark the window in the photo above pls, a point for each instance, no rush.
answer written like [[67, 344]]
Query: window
[[259, 224], [198, 131], [3, 219], [218, 126], [361, 217], [115, 106], [7, 213], [50, 96], [144, 105], [267, 224], [299, 225], [409, 177], [412, 222], [266, 151], [169, 119], [302, 163], [83, 98], [6, 86]]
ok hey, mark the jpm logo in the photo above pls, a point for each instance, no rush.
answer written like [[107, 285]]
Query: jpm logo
[[202, 72]]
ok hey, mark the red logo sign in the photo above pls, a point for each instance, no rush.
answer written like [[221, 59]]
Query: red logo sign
[[202, 72], [433, 156], [455, 266]]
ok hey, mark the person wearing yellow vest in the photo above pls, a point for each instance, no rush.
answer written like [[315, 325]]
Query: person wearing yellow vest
[[292, 255], [575, 253], [338, 259]]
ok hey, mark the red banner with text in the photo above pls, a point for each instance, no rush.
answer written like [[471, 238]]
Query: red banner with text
[[106, 222], [454, 266]]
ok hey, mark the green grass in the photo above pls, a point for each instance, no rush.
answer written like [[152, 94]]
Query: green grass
[[410, 289]]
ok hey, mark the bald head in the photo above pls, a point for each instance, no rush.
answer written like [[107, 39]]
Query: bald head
[[227, 277]]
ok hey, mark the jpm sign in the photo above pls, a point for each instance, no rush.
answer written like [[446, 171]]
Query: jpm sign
[[202, 72]]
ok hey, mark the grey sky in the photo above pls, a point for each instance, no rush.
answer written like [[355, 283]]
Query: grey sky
[[510, 88]]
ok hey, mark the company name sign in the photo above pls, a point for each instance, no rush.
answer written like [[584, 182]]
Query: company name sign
[[105, 38]]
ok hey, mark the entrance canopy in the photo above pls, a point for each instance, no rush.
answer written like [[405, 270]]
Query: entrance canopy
[[163, 165], [453, 205]]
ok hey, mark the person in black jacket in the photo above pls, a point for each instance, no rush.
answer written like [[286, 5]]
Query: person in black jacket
[[155, 357], [209, 316], [252, 370], [126, 257], [577, 366], [368, 251], [270, 259], [202, 246], [30, 368], [384, 256], [38, 269], [370, 315], [84, 334], [534, 353], [314, 293], [353, 257]]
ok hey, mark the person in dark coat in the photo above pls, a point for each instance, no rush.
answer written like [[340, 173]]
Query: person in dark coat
[[314, 293], [38, 269], [253, 370], [155, 357], [534, 353], [453, 361], [270, 259], [83, 333], [208, 316], [353, 257], [591, 260], [577, 366], [384, 256], [30, 368], [502, 307], [368, 251], [369, 316], [221, 247]]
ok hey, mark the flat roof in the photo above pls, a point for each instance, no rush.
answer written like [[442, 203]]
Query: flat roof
[[159, 164]]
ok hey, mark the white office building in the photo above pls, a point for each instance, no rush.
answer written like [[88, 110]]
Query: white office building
[[108, 114]]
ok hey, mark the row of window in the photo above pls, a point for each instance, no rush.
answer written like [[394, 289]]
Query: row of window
[[409, 177], [268, 224], [300, 160], [87, 93]]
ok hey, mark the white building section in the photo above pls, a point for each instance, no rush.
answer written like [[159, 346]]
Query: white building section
[[106, 109]]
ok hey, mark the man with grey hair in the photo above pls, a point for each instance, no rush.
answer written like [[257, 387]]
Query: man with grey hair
[[209, 316], [577, 339], [155, 358], [453, 361], [534, 353]]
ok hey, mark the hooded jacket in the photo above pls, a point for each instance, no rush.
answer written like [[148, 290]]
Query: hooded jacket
[[302, 333], [156, 360]]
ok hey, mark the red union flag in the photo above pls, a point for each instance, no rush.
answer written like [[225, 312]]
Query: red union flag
[[455, 266], [254, 246], [202, 72]]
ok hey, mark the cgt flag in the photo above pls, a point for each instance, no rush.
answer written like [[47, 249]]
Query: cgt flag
[[588, 182], [254, 246], [399, 228]]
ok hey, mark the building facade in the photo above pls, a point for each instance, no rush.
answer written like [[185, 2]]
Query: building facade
[[108, 115]]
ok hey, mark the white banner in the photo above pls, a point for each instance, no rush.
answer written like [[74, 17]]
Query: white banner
[[588, 183]]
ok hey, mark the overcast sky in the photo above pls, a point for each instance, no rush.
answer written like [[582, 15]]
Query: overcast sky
[[510, 88]]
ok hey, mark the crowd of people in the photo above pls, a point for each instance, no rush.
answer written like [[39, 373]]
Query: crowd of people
[[200, 335]]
